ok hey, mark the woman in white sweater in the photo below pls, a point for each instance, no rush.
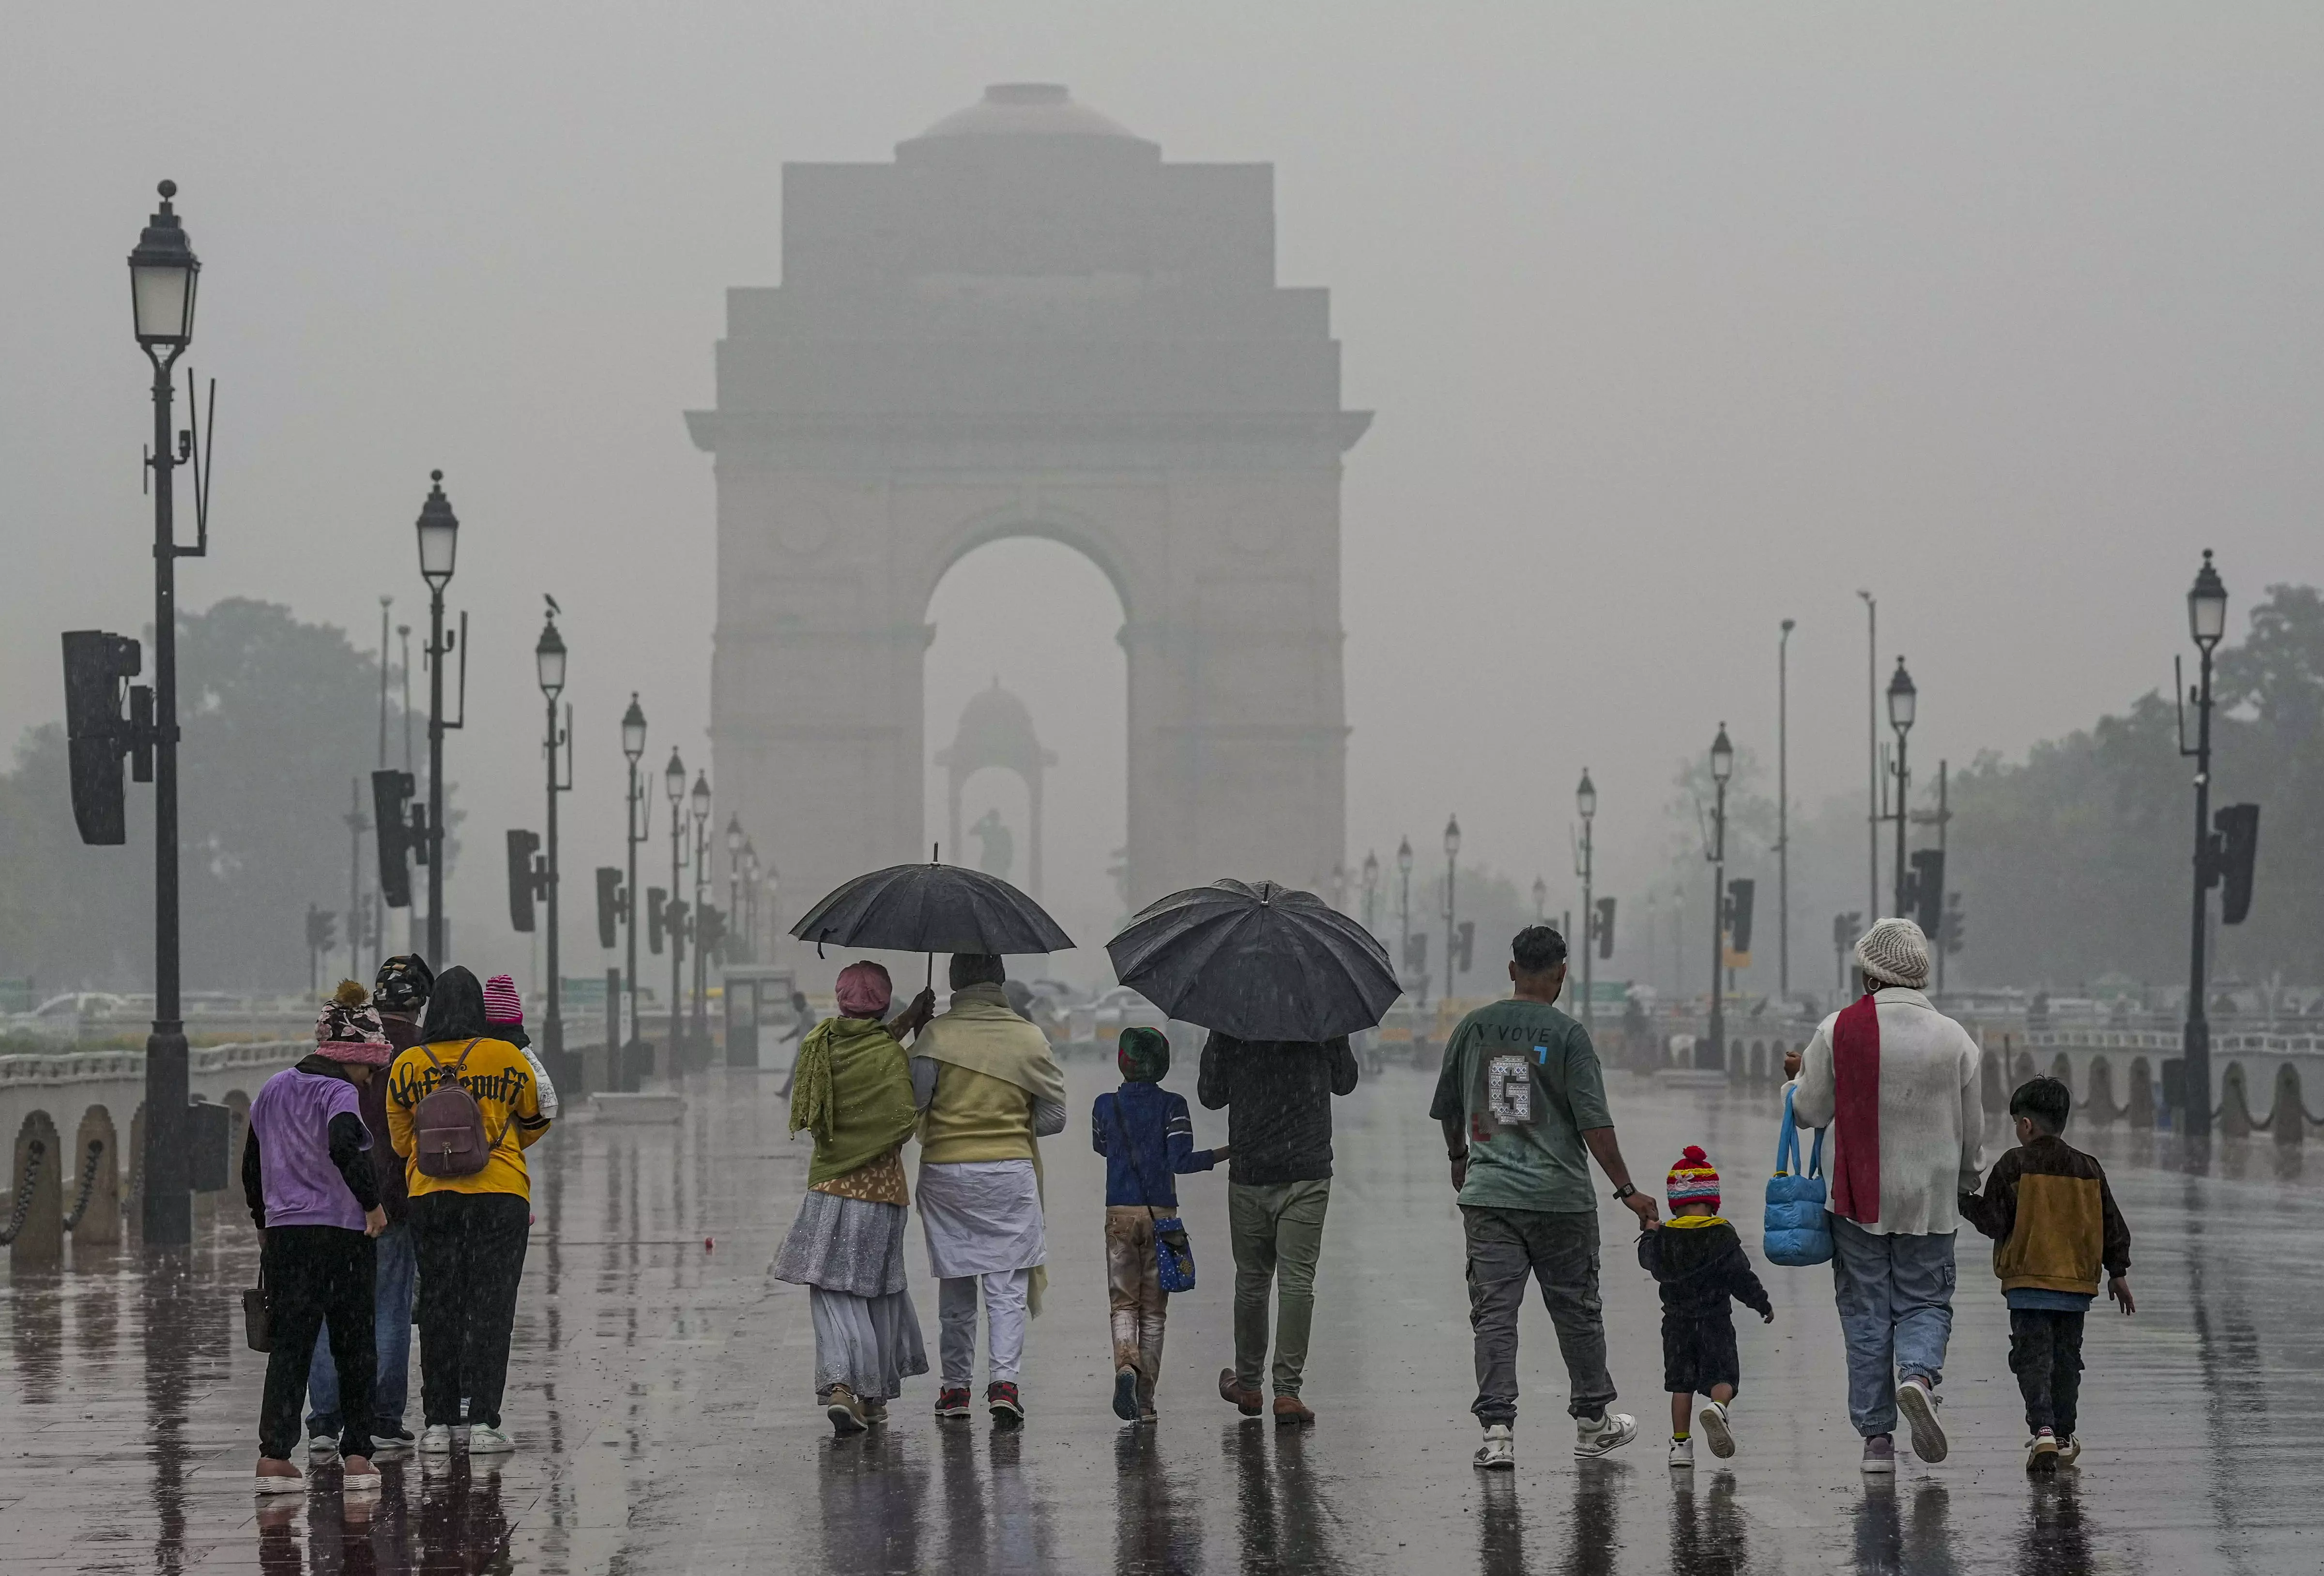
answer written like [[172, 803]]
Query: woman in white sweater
[[1897, 1081]]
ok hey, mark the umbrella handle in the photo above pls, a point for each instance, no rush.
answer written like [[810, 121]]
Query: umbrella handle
[[935, 857]]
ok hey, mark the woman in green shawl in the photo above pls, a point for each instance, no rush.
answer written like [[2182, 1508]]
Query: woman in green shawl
[[851, 1091]]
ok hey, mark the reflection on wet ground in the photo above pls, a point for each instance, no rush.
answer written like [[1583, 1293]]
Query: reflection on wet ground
[[660, 1395]]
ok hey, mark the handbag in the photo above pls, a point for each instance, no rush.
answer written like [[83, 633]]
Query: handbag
[[1796, 1232], [1174, 1250], [256, 1327]]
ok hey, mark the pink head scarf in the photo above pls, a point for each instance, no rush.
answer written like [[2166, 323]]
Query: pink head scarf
[[864, 991]]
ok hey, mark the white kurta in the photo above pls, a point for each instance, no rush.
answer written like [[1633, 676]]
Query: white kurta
[[982, 1216]]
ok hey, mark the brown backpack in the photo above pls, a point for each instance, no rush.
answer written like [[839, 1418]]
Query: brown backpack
[[447, 1125]]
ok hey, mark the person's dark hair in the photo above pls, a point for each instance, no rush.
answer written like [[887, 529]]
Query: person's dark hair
[[977, 968], [2046, 1101], [1538, 949]]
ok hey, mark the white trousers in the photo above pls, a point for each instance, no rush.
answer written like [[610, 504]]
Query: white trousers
[[1005, 1292]]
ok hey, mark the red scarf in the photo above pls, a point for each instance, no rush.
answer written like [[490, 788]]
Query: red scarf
[[1856, 1111]]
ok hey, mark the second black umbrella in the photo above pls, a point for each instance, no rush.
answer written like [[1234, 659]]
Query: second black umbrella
[[1259, 963]]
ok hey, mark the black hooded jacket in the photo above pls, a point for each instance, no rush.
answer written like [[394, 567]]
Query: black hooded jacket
[[455, 1009], [1700, 1268]]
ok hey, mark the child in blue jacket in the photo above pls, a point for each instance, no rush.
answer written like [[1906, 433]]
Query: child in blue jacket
[[1148, 1138]]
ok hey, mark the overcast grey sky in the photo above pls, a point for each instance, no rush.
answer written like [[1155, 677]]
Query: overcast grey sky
[[1678, 319]]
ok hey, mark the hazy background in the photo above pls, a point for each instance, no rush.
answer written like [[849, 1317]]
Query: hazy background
[[1678, 320]]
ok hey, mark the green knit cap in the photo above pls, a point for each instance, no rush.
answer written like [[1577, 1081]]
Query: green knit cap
[[1143, 1055]]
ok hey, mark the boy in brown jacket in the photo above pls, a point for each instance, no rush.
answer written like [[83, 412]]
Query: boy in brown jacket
[[2054, 1224]]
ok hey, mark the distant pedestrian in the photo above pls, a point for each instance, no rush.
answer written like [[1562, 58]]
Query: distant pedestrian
[[1278, 1097], [1897, 1081], [2055, 1226], [398, 996], [988, 1090], [1148, 1138], [853, 1095], [802, 1020], [470, 1226], [1700, 1263], [1522, 1102], [313, 1197]]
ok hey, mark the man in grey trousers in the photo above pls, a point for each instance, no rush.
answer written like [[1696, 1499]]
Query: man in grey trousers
[[1523, 1107]]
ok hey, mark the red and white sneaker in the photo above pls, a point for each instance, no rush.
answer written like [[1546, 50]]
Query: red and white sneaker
[[1000, 1399], [952, 1401]]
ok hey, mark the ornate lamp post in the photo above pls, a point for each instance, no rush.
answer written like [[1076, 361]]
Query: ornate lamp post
[[1712, 1053], [1783, 813], [548, 667], [738, 941], [633, 746], [1371, 886], [1586, 803], [439, 546], [162, 275], [749, 901], [1340, 887], [673, 782], [1452, 865], [700, 803], [1902, 702], [1540, 901], [2206, 622], [1404, 869]]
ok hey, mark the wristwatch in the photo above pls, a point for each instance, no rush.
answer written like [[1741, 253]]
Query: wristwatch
[[1623, 1192], [1456, 1156]]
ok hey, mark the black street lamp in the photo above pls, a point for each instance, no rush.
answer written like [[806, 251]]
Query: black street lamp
[[701, 808], [1585, 802], [439, 544], [1712, 1054], [734, 845], [1404, 958], [2206, 622], [548, 667], [673, 782], [1903, 701], [162, 275], [1371, 886], [1783, 813], [1340, 887], [633, 746], [1452, 867], [1540, 901]]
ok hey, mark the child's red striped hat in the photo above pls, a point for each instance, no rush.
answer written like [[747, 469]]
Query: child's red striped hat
[[1694, 1180], [502, 1003]]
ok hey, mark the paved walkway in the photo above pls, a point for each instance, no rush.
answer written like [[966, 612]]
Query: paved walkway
[[660, 1395]]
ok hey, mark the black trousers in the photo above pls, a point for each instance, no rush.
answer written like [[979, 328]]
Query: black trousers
[[470, 1249], [316, 1274], [2045, 1352]]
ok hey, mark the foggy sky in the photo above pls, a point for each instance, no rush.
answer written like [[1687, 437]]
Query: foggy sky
[[1677, 321]]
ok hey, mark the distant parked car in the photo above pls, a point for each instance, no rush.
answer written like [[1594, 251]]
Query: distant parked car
[[1122, 1008]]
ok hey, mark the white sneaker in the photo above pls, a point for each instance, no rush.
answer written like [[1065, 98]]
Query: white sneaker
[[1918, 1403], [1716, 1431], [1594, 1436], [435, 1440], [1682, 1453], [484, 1440], [1498, 1453], [278, 1483], [2070, 1450]]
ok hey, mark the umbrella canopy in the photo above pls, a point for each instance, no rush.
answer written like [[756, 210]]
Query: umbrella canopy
[[932, 909], [1259, 963]]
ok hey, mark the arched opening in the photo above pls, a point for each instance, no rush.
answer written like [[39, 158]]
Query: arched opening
[[2139, 1107], [2288, 1120], [2062, 1071], [2024, 1071], [1040, 620], [2099, 1099], [2235, 1103]]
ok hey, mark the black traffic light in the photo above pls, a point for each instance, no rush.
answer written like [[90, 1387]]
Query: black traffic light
[[1465, 947], [711, 930], [656, 917], [1603, 931], [612, 906], [398, 822], [96, 666], [1739, 894], [528, 877], [2237, 850], [322, 929], [1953, 935], [1927, 889], [1415, 953]]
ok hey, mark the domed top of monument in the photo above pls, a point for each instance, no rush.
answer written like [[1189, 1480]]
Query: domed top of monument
[[995, 729], [1028, 109]]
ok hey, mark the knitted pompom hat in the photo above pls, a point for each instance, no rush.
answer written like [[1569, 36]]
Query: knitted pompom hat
[[1894, 952], [349, 1031], [502, 1003], [1693, 1180]]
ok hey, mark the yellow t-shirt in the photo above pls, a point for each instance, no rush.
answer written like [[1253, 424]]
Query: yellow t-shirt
[[505, 1091]]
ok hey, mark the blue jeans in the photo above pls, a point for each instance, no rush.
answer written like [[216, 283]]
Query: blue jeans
[[391, 1336], [1896, 1297]]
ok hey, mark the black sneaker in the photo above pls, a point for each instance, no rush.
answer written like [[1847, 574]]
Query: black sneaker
[[391, 1440], [1125, 1394]]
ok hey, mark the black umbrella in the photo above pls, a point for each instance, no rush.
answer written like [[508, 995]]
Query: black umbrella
[[932, 908], [1259, 963]]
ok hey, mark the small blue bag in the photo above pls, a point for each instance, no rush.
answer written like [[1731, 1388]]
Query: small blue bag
[[1173, 1251], [1797, 1231]]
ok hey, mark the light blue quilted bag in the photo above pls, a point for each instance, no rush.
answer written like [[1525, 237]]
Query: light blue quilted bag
[[1797, 1231]]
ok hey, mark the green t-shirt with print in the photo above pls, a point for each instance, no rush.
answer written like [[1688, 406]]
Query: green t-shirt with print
[[1524, 1080]]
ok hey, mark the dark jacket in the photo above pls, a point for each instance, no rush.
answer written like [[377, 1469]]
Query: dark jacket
[[393, 1196], [1700, 1268], [2053, 1217], [1277, 1095], [1148, 1137]]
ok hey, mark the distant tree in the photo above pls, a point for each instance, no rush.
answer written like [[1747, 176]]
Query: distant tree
[[277, 718]]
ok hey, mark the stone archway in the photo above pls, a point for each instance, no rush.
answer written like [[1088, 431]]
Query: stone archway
[[1030, 325], [996, 730]]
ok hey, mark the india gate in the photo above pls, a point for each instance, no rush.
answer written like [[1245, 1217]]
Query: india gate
[[1030, 324]]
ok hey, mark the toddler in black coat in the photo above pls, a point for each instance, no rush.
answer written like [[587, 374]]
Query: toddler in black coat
[[1701, 1265]]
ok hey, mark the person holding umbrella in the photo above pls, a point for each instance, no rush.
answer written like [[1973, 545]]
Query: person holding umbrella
[[1281, 979]]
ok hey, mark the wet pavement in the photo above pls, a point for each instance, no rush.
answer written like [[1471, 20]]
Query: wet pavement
[[660, 1394]]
